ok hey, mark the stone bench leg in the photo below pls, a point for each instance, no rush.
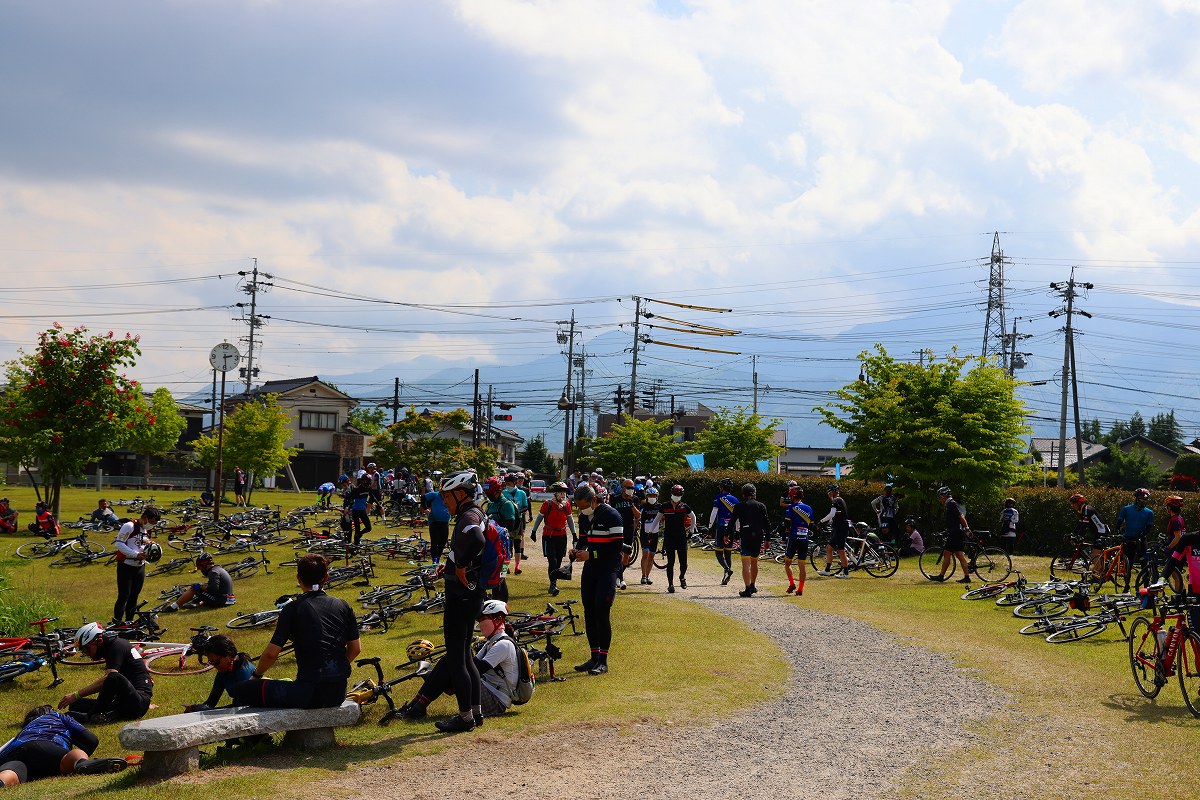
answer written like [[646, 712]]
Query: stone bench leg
[[167, 763], [311, 739]]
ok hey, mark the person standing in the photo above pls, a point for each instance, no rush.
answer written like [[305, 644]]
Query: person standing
[[131, 542], [798, 519], [887, 510], [1134, 522], [604, 548], [627, 505], [838, 520], [1009, 517], [439, 523], [718, 523], [956, 537], [239, 486], [677, 519], [556, 514], [750, 520]]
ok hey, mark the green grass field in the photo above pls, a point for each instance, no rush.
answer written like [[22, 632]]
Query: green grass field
[[656, 670]]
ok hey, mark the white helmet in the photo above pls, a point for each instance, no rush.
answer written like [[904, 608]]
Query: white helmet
[[88, 634], [460, 480], [494, 607]]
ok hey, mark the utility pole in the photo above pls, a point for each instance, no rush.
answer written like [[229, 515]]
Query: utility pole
[[754, 378], [259, 282], [993, 322], [1068, 291], [475, 414], [637, 318]]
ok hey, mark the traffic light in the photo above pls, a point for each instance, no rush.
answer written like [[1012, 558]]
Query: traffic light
[[502, 417]]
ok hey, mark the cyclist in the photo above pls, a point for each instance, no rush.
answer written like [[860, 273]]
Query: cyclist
[[627, 505], [124, 691], [357, 500], [103, 515], [718, 522], [838, 520], [556, 514], [677, 519], [324, 631], [1089, 527], [232, 667], [50, 744], [132, 542], [604, 548], [1009, 517], [651, 525], [887, 509], [1134, 522], [750, 520], [439, 523], [44, 523], [957, 531], [8, 517], [216, 593], [798, 518]]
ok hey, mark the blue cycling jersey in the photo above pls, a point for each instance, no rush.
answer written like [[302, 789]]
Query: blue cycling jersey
[[1137, 520], [724, 504]]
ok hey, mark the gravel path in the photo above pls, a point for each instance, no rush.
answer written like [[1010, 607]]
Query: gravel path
[[840, 728]]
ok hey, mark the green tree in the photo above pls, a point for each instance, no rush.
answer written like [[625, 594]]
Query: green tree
[[1166, 430], [535, 455], [638, 447], [256, 434], [428, 441], [157, 428], [368, 419], [954, 420], [736, 438], [67, 403], [1123, 470]]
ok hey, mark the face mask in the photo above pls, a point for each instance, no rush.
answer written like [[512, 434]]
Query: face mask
[[587, 512], [487, 627], [676, 498], [560, 497]]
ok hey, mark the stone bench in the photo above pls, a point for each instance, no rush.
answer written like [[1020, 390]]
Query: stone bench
[[172, 744]]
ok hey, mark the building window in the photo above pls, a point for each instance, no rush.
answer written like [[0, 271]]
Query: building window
[[318, 420]]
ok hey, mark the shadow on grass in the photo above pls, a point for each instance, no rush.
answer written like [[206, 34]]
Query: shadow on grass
[[1137, 708]]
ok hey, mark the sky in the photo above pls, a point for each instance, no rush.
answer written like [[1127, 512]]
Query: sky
[[451, 179]]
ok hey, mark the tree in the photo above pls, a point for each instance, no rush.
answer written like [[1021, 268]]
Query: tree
[[430, 440], [157, 428], [535, 456], [955, 421], [368, 419], [1165, 430], [256, 433], [1124, 470], [736, 439], [67, 403], [638, 447]]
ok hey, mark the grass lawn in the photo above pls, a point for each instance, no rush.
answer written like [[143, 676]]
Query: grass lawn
[[657, 671]]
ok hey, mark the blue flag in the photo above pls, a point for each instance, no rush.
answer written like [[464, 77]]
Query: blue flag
[[695, 460]]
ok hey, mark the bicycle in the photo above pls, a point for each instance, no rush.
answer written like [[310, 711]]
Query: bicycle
[[987, 562], [1156, 654]]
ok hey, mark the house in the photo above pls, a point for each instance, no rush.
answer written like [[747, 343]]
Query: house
[[319, 414], [1045, 453], [1161, 456]]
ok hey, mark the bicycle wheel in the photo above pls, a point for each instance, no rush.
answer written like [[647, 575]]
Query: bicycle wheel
[[1187, 667], [1068, 565], [87, 546], [1144, 658], [930, 563], [881, 562], [36, 550], [172, 662], [984, 592], [1073, 633], [1041, 609], [255, 619], [992, 564]]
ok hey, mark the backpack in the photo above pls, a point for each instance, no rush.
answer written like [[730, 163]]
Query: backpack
[[526, 684], [497, 550]]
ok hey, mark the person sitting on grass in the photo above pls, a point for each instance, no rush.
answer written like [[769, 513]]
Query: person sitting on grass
[[232, 667], [218, 592], [52, 744], [8, 517], [496, 660]]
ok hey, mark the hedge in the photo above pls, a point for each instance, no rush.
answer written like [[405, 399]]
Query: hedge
[[1046, 516]]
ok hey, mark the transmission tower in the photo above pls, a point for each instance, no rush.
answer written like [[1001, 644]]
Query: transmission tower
[[258, 282], [993, 323]]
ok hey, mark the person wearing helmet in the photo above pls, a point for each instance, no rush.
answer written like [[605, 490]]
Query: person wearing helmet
[[718, 522], [750, 521], [131, 542], [8, 517], [124, 690], [1134, 522], [798, 519], [556, 514], [517, 495], [604, 547], [324, 632], [230, 665], [51, 744], [957, 530], [651, 526], [1009, 517], [630, 508], [887, 510], [495, 659], [678, 520], [838, 520], [217, 592]]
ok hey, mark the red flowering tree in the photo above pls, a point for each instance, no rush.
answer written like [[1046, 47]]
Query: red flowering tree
[[67, 403]]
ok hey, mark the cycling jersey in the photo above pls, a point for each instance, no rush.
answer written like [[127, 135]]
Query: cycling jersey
[[1137, 521], [724, 504], [799, 518]]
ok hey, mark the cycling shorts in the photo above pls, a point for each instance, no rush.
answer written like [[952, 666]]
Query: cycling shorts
[[796, 548]]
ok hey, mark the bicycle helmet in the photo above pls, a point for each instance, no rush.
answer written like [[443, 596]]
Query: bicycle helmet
[[1174, 501], [726, 484], [88, 634], [1077, 499], [153, 552], [492, 607], [1141, 494], [460, 480], [420, 649]]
